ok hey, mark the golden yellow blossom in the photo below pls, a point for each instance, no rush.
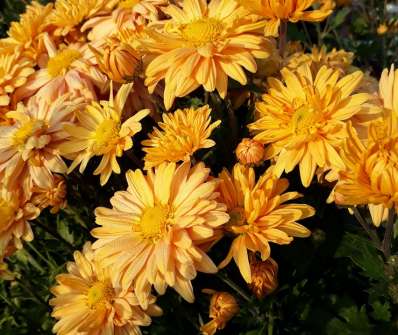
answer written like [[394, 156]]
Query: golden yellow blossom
[[250, 152], [99, 131], [152, 234], [202, 45], [181, 134], [88, 302], [303, 119], [259, 214]]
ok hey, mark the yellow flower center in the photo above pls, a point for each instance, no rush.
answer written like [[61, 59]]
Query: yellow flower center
[[59, 64], [154, 221], [105, 136], [127, 4], [237, 217], [305, 121], [27, 130], [99, 295], [7, 212], [202, 31]]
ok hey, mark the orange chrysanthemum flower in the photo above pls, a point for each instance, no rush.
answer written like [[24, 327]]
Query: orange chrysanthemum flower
[[14, 72], [223, 307], [303, 119], [264, 276], [153, 232], [250, 152], [388, 90], [15, 214], [259, 214], [181, 134], [101, 131], [202, 45], [29, 149], [276, 11], [88, 302], [27, 32]]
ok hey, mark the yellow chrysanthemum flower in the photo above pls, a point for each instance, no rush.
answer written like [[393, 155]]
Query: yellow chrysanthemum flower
[[100, 131], [388, 89], [223, 307], [370, 176], [29, 148], [181, 134], [259, 214], [14, 72], [15, 214], [27, 31], [69, 14], [88, 302], [276, 11], [304, 119], [152, 235], [202, 45]]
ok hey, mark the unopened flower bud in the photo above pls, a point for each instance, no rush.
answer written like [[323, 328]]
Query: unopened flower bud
[[264, 277], [250, 152]]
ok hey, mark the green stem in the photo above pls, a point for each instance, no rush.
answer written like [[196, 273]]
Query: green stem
[[386, 245], [282, 37], [54, 233], [371, 232], [235, 287]]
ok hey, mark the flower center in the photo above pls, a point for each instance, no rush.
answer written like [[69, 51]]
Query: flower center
[[304, 121], [59, 64], [201, 31], [154, 221], [99, 295], [105, 136], [127, 4], [26, 131], [7, 212], [236, 217]]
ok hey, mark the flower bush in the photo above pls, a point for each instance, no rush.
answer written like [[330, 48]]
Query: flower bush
[[198, 167]]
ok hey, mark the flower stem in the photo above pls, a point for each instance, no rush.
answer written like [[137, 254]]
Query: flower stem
[[282, 37], [54, 234], [386, 245], [372, 233], [235, 287]]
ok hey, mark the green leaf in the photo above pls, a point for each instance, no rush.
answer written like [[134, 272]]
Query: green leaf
[[363, 254], [381, 312], [64, 231], [339, 18], [351, 321]]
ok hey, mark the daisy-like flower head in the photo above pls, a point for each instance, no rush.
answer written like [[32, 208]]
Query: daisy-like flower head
[[259, 214], [153, 232], [27, 31], [100, 132], [276, 11], [29, 149], [388, 89], [88, 302], [181, 134], [15, 214], [370, 176], [14, 72], [202, 45], [303, 119], [68, 70], [68, 15]]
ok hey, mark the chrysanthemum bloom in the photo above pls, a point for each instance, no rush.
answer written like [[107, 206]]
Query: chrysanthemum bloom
[[100, 131], [68, 70], [130, 15], [118, 60], [223, 307], [264, 277], [259, 214], [152, 233], [276, 11], [181, 134], [372, 167], [14, 71], [29, 149], [88, 302], [52, 195], [15, 214], [202, 45], [27, 32], [68, 15], [303, 119], [388, 89], [250, 152]]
